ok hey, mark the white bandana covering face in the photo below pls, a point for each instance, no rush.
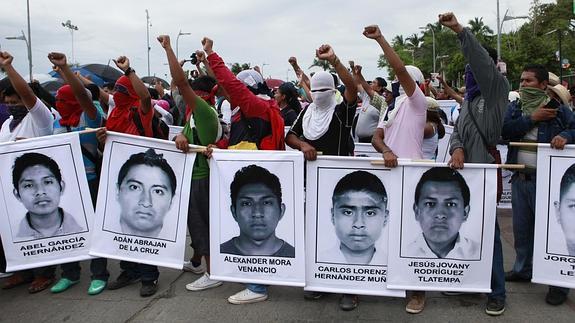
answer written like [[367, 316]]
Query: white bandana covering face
[[316, 120], [417, 76]]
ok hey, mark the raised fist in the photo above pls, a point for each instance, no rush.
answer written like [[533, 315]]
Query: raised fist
[[5, 59], [372, 31], [208, 44], [325, 52], [122, 62], [164, 41], [58, 59]]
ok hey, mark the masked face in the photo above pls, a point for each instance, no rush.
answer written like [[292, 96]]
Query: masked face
[[323, 99]]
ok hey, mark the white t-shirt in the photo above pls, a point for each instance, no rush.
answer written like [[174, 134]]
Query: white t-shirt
[[37, 123]]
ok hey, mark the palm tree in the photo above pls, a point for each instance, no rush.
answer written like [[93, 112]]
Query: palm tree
[[414, 41], [398, 41], [479, 29], [323, 64]]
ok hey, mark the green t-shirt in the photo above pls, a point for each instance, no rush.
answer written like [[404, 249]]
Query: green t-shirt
[[205, 122]]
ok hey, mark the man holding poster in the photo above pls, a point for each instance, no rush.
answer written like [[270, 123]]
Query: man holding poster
[[257, 208], [533, 118]]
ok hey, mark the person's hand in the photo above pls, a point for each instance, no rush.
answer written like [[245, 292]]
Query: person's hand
[[558, 142], [258, 69], [292, 61], [440, 79], [208, 45], [309, 152], [457, 159], [182, 143], [5, 59], [357, 70], [372, 32], [448, 20], [543, 114], [122, 62], [201, 56], [389, 159], [209, 150], [56, 69], [58, 59], [164, 41], [325, 52], [101, 135]]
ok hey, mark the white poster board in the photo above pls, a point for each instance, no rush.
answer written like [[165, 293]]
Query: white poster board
[[257, 238], [505, 202], [554, 241], [46, 208], [142, 208], [447, 106], [365, 150], [349, 203], [443, 146], [443, 240], [174, 131]]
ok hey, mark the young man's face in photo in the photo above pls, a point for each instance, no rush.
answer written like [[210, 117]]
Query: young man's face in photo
[[359, 218], [145, 197], [257, 211], [440, 211], [39, 190], [565, 212]]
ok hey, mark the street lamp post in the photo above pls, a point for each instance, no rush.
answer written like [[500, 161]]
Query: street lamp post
[[148, 25], [500, 26], [433, 38], [23, 37], [178, 38], [264, 64], [441, 58], [72, 28]]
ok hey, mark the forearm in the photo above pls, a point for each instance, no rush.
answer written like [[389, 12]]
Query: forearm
[[452, 93], [79, 91], [377, 141], [294, 142], [397, 65], [141, 92], [364, 85], [21, 87], [346, 79]]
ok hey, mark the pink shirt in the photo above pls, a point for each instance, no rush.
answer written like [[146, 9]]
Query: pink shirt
[[405, 135]]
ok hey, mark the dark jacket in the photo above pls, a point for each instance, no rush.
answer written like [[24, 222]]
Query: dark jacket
[[516, 125]]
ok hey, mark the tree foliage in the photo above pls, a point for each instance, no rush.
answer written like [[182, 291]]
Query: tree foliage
[[237, 67]]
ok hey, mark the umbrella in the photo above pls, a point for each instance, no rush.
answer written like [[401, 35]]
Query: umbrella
[[105, 72], [53, 85], [274, 83], [152, 81]]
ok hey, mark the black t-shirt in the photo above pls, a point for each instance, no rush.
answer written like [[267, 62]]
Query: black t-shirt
[[289, 115], [337, 140], [230, 247]]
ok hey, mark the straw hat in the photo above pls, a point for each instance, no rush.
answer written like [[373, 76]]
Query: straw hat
[[562, 93], [553, 79]]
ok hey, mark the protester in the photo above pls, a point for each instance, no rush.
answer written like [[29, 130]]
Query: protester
[[368, 116], [29, 117], [286, 97], [434, 130], [325, 126], [532, 119]]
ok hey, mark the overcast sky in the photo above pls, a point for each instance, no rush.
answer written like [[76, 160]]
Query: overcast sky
[[259, 32]]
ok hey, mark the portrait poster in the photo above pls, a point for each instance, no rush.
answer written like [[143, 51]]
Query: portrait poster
[[46, 208], [443, 240], [554, 241], [448, 106], [142, 208], [348, 206], [365, 150], [443, 146], [505, 202], [257, 217]]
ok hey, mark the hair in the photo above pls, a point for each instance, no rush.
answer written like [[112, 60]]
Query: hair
[[254, 174], [154, 93], [28, 160], [540, 71], [359, 181], [94, 90], [567, 180], [10, 90], [203, 83], [443, 175], [381, 83], [109, 85], [491, 51], [433, 116], [291, 94], [152, 159]]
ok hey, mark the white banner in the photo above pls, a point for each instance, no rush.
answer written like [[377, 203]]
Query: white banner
[[365, 150], [46, 207], [142, 209], [257, 217], [505, 202], [443, 240], [554, 242], [174, 131], [448, 106], [443, 146], [349, 202]]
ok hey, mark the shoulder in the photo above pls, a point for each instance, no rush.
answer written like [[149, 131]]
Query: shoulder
[[287, 250], [229, 247]]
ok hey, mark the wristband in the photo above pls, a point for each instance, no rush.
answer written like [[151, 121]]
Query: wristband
[[387, 151], [129, 71]]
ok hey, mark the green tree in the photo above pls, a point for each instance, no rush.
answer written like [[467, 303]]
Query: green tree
[[237, 67], [414, 41], [480, 30], [323, 64]]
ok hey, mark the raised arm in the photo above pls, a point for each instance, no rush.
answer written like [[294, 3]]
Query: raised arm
[[451, 92], [20, 86], [123, 63], [360, 81], [327, 53], [59, 60], [393, 59]]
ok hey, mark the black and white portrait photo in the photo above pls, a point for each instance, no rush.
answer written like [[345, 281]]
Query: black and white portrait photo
[[143, 199], [257, 208], [564, 207], [441, 207], [257, 217], [358, 215], [45, 201]]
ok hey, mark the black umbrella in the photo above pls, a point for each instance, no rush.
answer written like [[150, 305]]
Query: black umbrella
[[152, 81], [105, 72], [53, 85]]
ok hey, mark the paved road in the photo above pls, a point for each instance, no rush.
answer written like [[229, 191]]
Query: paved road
[[174, 304]]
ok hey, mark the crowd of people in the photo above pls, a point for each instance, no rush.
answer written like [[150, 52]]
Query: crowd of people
[[326, 113]]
